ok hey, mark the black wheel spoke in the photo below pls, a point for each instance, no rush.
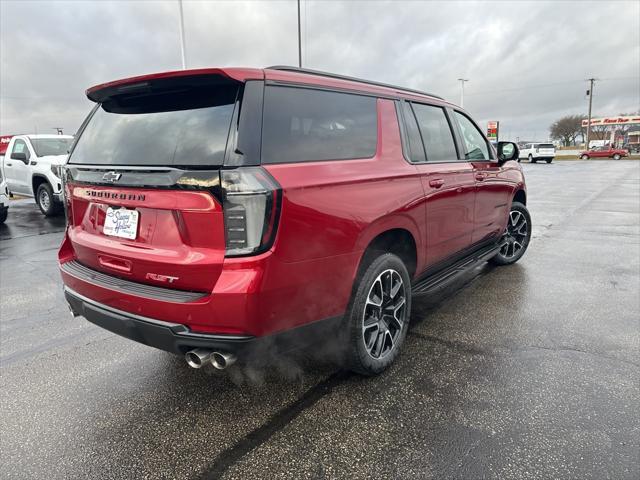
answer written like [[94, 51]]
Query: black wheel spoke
[[379, 343]]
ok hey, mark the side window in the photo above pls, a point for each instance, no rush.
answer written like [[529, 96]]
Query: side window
[[436, 133], [304, 125], [21, 147], [475, 144], [416, 149]]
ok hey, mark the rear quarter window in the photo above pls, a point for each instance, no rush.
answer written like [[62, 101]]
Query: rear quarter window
[[305, 125]]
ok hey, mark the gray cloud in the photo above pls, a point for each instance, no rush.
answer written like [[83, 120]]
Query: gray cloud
[[526, 61]]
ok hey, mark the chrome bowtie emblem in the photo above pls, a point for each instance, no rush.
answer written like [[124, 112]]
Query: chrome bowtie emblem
[[111, 177]]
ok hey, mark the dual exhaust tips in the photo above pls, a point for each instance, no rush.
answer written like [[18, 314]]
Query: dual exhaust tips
[[199, 357]]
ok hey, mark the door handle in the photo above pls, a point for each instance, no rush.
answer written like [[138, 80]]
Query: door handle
[[7, 164], [436, 182], [481, 176]]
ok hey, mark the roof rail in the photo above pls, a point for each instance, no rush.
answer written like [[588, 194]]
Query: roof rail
[[352, 79]]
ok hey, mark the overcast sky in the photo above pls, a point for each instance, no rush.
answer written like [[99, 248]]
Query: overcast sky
[[526, 61]]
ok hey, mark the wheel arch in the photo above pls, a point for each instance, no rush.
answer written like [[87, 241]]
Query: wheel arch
[[37, 180], [520, 196], [398, 240]]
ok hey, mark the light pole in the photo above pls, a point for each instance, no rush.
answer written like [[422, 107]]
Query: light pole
[[462, 80], [299, 39], [182, 46], [590, 94]]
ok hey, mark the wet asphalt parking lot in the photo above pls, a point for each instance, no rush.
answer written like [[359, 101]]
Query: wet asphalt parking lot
[[527, 371]]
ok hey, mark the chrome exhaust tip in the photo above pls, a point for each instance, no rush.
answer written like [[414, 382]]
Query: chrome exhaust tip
[[198, 358], [222, 360]]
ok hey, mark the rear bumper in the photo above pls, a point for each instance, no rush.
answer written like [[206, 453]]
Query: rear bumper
[[254, 296], [179, 339], [171, 337]]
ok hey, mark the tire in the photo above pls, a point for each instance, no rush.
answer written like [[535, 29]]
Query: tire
[[616, 157], [44, 198], [3, 214], [584, 157], [374, 345], [549, 160], [531, 159], [517, 236]]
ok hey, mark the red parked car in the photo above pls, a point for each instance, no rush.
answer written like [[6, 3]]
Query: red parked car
[[604, 152], [218, 210]]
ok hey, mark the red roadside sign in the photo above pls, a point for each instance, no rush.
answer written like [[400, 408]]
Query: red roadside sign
[[4, 143]]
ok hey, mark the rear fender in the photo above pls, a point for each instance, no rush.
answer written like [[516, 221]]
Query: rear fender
[[391, 222]]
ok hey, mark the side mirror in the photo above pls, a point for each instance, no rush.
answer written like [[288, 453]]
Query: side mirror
[[19, 156], [507, 151]]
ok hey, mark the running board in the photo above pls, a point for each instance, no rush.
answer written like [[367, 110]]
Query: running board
[[440, 279]]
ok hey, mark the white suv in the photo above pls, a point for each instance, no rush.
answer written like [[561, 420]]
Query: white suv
[[538, 151], [32, 165]]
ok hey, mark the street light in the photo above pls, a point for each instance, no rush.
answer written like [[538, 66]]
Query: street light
[[462, 80], [182, 46], [299, 38]]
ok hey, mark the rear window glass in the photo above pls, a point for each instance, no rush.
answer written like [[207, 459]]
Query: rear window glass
[[51, 146], [181, 128], [436, 133], [303, 125], [546, 145]]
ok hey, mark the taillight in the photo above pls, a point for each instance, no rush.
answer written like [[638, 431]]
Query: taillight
[[251, 204], [66, 193]]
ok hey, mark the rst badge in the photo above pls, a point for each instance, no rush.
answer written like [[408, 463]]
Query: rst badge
[[161, 278]]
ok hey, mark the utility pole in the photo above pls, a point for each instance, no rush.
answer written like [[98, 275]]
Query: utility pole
[[299, 39], [590, 94], [182, 47], [462, 80]]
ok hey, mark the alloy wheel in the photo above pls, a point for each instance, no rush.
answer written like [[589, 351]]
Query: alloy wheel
[[516, 235], [384, 314]]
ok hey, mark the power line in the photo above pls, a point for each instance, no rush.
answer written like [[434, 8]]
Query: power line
[[545, 85]]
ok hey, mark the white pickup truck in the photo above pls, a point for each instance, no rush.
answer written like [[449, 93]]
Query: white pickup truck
[[32, 166]]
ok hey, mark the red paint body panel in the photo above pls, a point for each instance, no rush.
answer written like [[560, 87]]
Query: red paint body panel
[[330, 213]]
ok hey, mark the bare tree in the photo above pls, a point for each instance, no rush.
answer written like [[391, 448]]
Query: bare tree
[[600, 132], [567, 129]]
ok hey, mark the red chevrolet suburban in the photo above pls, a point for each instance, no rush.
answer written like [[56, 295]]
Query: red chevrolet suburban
[[213, 211]]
